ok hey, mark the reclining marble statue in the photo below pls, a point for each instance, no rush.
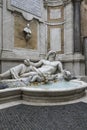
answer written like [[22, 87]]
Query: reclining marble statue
[[42, 71]]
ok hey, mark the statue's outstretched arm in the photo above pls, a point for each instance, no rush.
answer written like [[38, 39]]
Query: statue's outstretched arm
[[38, 64], [27, 62]]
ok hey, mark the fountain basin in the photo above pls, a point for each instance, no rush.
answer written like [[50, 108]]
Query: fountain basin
[[45, 93], [55, 92]]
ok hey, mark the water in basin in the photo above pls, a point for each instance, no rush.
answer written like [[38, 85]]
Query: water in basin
[[60, 85]]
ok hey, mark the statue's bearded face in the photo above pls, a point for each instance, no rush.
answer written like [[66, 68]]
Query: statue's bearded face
[[52, 57], [27, 62]]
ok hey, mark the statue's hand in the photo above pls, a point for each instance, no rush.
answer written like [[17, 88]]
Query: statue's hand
[[55, 76], [67, 75]]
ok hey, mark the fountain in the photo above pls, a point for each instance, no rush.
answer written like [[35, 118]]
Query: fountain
[[44, 81]]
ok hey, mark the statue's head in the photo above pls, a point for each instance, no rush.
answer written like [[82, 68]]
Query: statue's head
[[28, 25], [27, 62], [51, 55], [67, 75]]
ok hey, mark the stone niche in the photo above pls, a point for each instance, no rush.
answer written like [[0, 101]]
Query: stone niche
[[55, 15], [19, 38], [25, 12]]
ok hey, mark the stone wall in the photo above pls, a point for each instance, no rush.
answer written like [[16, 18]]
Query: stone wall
[[45, 29], [0, 25]]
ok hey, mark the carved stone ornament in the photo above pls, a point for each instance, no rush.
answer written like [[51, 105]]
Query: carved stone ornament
[[52, 2]]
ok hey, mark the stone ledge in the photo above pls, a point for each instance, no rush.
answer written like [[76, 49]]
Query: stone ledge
[[15, 55]]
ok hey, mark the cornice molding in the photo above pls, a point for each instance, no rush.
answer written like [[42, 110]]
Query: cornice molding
[[55, 2], [52, 2], [77, 1], [65, 2]]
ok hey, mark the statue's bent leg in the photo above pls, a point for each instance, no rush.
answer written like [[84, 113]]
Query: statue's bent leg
[[28, 74], [17, 70], [5, 75], [14, 74]]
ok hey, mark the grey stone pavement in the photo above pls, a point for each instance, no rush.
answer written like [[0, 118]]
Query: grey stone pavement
[[56, 117]]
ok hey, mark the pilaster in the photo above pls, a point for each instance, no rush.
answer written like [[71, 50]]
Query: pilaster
[[77, 26]]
